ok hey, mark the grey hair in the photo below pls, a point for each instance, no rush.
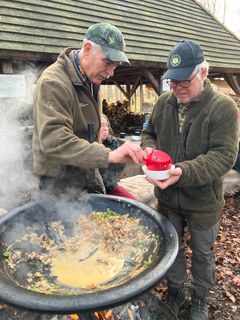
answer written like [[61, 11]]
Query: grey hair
[[95, 46], [199, 67]]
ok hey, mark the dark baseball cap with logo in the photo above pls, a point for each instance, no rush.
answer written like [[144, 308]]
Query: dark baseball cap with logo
[[110, 39], [183, 59]]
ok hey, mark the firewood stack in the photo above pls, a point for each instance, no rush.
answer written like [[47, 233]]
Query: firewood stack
[[120, 117], [117, 114]]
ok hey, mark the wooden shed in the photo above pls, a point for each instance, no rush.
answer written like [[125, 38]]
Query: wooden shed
[[35, 31]]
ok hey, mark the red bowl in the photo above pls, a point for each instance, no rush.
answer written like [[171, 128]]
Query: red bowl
[[158, 160]]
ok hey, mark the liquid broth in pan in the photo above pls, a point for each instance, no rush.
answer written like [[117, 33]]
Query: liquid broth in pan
[[104, 250]]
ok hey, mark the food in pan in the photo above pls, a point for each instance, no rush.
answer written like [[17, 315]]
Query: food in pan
[[103, 249]]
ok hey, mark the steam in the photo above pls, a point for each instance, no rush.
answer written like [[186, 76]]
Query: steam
[[18, 184], [16, 176]]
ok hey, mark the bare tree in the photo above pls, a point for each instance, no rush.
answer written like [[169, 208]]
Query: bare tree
[[210, 5], [213, 7], [224, 11]]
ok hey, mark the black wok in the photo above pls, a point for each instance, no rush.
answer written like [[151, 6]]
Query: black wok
[[14, 224]]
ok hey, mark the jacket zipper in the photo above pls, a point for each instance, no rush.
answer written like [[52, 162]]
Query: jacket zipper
[[177, 149], [178, 136], [186, 136]]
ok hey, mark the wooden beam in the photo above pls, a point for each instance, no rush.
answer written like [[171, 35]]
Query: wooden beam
[[135, 86], [128, 87], [233, 82], [7, 67], [126, 94], [130, 90], [27, 56], [154, 82]]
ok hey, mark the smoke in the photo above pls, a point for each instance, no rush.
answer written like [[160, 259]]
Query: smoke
[[17, 183]]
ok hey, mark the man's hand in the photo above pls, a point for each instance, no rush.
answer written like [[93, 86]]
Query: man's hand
[[175, 175], [148, 150], [126, 151]]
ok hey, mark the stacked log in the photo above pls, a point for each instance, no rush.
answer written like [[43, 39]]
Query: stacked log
[[120, 117], [117, 114]]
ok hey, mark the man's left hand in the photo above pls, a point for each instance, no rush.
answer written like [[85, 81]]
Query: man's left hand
[[175, 175]]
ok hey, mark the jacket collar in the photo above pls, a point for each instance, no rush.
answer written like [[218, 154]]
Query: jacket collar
[[66, 58]]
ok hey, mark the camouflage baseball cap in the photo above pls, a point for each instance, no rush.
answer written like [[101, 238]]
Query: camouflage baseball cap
[[110, 39]]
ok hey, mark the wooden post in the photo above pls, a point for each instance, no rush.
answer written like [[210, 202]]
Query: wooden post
[[141, 97]]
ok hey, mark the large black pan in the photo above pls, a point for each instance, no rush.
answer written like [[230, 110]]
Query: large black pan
[[13, 226]]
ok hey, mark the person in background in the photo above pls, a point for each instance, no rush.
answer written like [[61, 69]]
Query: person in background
[[66, 153], [191, 124], [110, 174]]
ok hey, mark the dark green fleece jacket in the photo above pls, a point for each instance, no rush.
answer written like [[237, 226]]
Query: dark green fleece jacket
[[63, 107], [205, 149]]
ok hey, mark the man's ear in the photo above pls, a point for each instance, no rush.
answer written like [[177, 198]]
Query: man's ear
[[203, 73], [87, 47]]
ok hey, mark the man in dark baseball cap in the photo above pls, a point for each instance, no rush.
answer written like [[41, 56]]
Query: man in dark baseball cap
[[110, 39], [199, 128], [183, 59]]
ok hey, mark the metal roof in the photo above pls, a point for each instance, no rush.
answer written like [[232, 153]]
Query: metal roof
[[41, 28]]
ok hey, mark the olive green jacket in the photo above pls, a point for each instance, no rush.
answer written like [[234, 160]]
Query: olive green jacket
[[63, 107], [205, 149]]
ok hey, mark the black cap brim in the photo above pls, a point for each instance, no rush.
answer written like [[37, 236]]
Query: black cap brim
[[179, 74]]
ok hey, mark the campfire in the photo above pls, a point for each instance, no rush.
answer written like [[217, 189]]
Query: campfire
[[104, 315], [148, 306], [101, 315]]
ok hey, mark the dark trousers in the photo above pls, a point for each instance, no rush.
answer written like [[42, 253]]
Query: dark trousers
[[237, 163], [203, 257]]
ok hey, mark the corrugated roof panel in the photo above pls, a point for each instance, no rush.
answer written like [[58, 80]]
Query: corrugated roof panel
[[151, 28]]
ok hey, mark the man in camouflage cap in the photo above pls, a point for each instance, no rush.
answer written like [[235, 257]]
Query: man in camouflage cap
[[102, 51], [110, 39], [66, 103]]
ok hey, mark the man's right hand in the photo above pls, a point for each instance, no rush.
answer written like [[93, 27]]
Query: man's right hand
[[148, 150], [125, 152]]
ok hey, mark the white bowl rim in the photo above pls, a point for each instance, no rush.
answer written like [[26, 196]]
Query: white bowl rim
[[159, 175]]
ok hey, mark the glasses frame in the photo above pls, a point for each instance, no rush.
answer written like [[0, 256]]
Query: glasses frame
[[183, 83], [104, 125]]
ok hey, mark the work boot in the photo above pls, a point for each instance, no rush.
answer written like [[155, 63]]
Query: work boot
[[199, 308], [175, 299]]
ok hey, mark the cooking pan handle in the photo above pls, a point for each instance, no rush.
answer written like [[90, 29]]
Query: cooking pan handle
[[91, 132]]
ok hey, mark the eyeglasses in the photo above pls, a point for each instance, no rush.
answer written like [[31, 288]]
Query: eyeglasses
[[184, 83], [104, 125]]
